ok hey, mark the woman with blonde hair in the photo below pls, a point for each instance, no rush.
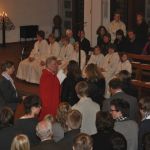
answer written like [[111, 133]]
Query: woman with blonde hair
[[96, 83], [20, 142], [62, 113]]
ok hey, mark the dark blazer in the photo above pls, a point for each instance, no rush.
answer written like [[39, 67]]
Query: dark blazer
[[6, 137], [133, 114], [8, 93], [121, 45], [27, 127], [105, 47], [67, 142], [99, 40], [129, 88], [85, 45], [143, 129], [141, 31], [134, 47], [46, 145], [102, 140], [68, 92], [97, 90]]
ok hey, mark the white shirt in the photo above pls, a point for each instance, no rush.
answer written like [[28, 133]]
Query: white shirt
[[110, 64], [88, 109], [75, 57], [54, 49], [66, 51], [114, 26], [40, 50], [96, 59], [124, 66]]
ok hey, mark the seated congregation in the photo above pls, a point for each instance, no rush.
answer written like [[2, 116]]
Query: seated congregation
[[86, 97]]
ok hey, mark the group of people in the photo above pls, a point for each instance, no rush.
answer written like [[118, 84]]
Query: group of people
[[83, 103], [132, 40], [116, 125]]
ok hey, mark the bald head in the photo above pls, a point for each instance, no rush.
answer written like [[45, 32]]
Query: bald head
[[44, 130], [69, 33]]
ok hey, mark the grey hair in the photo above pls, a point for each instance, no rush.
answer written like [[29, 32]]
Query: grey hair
[[44, 133]]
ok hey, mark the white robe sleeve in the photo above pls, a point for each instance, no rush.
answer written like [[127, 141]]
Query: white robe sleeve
[[100, 61], [91, 60], [34, 51], [44, 50], [69, 52], [82, 59], [54, 49], [114, 64]]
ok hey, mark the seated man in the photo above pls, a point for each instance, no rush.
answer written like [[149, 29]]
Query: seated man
[[30, 69]]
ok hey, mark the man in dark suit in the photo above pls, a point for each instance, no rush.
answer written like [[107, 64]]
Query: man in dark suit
[[84, 42], [116, 92], [44, 132], [74, 119], [8, 91], [133, 44]]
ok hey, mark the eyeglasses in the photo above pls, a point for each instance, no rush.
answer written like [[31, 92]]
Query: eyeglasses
[[111, 110]]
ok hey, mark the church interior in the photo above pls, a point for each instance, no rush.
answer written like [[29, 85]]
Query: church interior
[[75, 74]]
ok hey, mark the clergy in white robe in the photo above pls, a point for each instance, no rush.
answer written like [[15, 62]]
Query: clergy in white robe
[[97, 57], [30, 69], [54, 46], [115, 25], [109, 67], [124, 64], [69, 34], [66, 50], [110, 64], [75, 55]]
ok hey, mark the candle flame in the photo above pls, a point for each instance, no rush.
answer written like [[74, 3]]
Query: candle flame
[[3, 14]]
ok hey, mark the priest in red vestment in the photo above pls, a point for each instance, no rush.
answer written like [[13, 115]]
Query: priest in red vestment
[[49, 88]]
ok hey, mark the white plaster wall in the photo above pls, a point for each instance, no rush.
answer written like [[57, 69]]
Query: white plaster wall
[[96, 19], [29, 12], [88, 18], [105, 12]]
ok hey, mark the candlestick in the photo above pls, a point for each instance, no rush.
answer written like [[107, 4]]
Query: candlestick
[[3, 29], [5, 24]]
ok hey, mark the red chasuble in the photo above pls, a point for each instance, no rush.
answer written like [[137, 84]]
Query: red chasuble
[[49, 93]]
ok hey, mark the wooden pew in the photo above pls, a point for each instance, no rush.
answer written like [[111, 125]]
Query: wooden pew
[[139, 57], [141, 66]]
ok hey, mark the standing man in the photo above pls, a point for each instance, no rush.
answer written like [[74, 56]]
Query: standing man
[[84, 42], [49, 88], [115, 87], [115, 25]]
